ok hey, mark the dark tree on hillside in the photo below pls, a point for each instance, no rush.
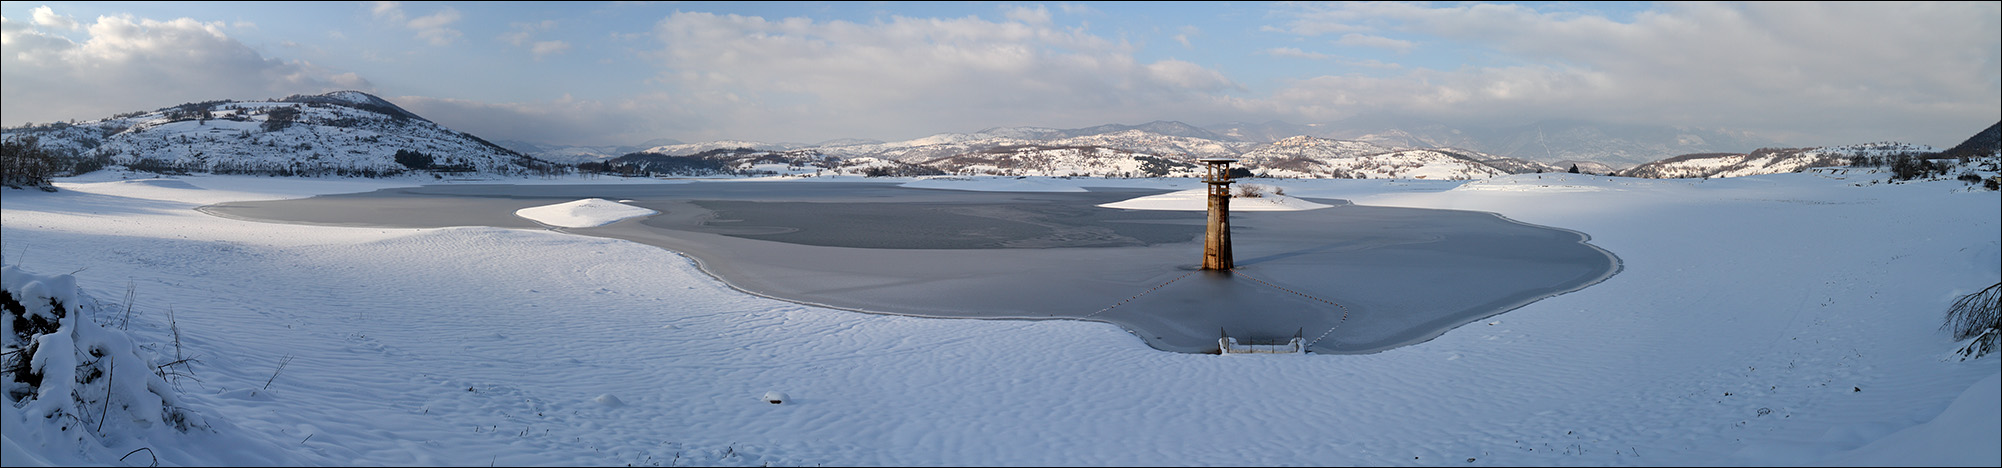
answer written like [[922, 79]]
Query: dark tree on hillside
[[1574, 169], [279, 118], [413, 160], [1907, 167], [23, 162]]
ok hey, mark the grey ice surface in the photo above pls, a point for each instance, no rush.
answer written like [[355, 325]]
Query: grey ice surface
[[1350, 279]]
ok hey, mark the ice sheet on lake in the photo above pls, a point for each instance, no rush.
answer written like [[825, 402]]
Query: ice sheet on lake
[[1354, 279]]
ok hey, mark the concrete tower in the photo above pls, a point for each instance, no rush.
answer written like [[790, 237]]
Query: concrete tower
[[1216, 239]]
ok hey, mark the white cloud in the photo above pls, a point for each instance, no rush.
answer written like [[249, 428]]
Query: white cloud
[[46, 17], [1365, 40], [433, 28], [1186, 33], [523, 35], [1295, 53], [1849, 71], [544, 48], [127, 60], [842, 79], [392, 11], [1036, 16]]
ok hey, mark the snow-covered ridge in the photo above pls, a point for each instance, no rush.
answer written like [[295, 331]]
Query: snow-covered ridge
[[340, 133], [1310, 157], [1768, 160]]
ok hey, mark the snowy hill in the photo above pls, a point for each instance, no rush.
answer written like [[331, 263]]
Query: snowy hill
[[1310, 157], [1131, 152], [1615, 145], [1986, 143], [1267, 132], [1522, 166], [1102, 151], [1273, 148], [1767, 161], [1588, 167], [575, 154], [1052, 160], [1158, 144], [684, 149], [339, 133]]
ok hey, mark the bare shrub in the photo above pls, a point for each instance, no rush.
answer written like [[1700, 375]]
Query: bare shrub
[[1977, 316]]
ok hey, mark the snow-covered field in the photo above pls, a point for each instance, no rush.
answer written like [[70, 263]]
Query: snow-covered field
[[1788, 319]]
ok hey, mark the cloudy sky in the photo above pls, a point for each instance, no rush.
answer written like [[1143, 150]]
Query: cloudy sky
[[620, 73]]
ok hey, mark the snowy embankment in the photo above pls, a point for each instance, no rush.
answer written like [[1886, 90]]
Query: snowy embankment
[[589, 212], [1788, 319]]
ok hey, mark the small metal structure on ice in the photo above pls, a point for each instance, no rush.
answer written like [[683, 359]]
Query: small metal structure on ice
[[1228, 345]]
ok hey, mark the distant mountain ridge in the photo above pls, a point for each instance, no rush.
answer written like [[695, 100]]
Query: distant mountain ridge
[[354, 133], [1768, 160]]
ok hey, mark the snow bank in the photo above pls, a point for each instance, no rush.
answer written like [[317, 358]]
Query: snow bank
[[1198, 200], [589, 212], [1963, 435]]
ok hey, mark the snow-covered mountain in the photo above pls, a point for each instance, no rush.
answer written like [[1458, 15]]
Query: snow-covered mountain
[[1986, 143], [1588, 167], [1052, 160], [1615, 145], [1768, 160], [339, 133], [1267, 132], [576, 154], [1157, 144], [1103, 151], [1310, 157], [1522, 166], [684, 149]]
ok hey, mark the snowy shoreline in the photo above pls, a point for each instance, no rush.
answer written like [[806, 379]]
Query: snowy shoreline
[[1735, 297]]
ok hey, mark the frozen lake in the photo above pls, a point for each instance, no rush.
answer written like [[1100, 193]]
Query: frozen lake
[[1351, 279]]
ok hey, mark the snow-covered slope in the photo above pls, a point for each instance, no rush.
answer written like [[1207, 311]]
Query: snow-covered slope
[[1048, 160], [339, 133], [1142, 141], [1522, 166], [1310, 157], [685, 149], [1767, 161]]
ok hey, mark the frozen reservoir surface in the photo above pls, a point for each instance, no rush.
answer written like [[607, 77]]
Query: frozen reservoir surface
[[1349, 279]]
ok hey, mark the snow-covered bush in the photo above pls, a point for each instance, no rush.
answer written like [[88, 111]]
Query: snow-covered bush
[[1256, 191], [1977, 318], [82, 380]]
